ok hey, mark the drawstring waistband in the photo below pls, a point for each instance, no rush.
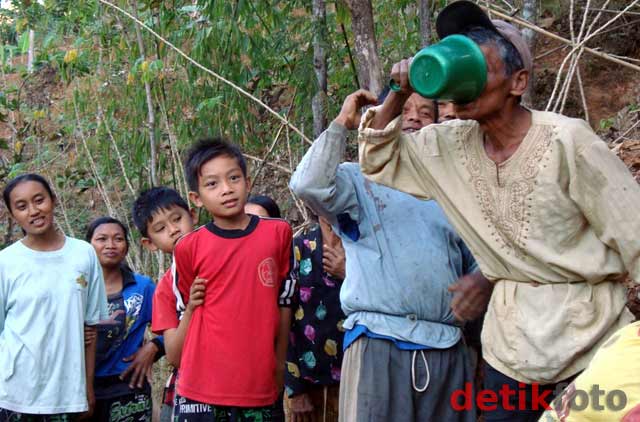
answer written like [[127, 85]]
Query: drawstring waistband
[[413, 371]]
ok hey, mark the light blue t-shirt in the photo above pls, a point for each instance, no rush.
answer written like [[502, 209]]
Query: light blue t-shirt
[[401, 253], [45, 300]]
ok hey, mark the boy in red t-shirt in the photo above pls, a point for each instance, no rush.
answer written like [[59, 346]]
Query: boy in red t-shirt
[[233, 357], [163, 217]]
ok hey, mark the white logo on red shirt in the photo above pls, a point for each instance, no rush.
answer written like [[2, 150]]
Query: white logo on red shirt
[[267, 272]]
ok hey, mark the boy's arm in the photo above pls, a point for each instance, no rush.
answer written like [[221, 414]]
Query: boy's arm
[[182, 273], [318, 180], [174, 338], [149, 296], [282, 341], [285, 302]]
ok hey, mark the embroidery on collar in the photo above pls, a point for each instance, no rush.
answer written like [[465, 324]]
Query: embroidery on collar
[[505, 206]]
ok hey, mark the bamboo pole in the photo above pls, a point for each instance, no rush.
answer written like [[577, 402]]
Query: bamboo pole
[[151, 115]]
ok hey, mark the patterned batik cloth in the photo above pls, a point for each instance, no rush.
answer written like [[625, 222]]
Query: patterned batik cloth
[[314, 355]]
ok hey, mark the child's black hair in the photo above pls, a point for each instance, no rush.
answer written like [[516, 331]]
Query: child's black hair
[[91, 228], [267, 203], [150, 202], [206, 150], [29, 177]]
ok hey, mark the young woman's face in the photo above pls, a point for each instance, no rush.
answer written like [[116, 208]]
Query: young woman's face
[[32, 207], [110, 244]]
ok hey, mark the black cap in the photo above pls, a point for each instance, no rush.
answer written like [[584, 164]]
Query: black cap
[[459, 16], [462, 15]]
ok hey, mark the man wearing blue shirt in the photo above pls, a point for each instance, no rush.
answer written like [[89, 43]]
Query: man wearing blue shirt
[[404, 354]]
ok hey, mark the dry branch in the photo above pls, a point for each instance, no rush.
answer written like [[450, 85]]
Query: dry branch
[[181, 181], [151, 116], [99, 182], [277, 166], [102, 119], [613, 11], [265, 158], [559, 38], [264, 162], [626, 132], [551, 51]]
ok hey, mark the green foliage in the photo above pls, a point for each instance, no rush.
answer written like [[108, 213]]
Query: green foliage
[[606, 124], [95, 141]]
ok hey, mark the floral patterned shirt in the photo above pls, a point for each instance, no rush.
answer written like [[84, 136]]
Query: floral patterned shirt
[[314, 355]]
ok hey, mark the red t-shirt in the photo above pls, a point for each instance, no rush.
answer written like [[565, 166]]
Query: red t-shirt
[[164, 315], [228, 357]]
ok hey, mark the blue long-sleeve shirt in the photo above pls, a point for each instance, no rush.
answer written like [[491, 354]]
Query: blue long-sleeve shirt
[[402, 254], [123, 334]]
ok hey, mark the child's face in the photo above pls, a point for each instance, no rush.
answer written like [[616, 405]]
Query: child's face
[[222, 188], [32, 207], [166, 227]]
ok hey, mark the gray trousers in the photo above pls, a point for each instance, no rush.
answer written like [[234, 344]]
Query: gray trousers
[[381, 383]]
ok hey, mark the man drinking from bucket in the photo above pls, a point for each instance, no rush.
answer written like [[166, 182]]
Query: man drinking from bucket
[[549, 213]]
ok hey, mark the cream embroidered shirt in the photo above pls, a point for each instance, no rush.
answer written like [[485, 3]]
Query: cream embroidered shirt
[[555, 227]]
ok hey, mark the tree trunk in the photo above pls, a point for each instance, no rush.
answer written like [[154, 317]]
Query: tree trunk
[[319, 103], [530, 13], [425, 22], [367, 60], [151, 116], [31, 51]]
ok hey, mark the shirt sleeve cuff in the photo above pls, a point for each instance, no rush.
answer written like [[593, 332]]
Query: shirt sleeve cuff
[[337, 129], [378, 135]]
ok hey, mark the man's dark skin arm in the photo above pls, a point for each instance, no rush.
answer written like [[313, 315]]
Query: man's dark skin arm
[[471, 294], [349, 116], [393, 104]]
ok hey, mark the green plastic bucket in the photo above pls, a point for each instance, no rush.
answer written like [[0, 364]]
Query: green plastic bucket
[[453, 69]]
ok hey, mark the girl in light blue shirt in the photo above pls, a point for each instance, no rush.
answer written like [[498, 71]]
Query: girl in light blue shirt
[[50, 288]]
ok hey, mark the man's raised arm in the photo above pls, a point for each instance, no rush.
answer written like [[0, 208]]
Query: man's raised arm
[[318, 180], [386, 155], [393, 104]]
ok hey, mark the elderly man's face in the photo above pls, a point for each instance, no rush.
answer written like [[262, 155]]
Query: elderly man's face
[[498, 88], [446, 111], [417, 113]]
